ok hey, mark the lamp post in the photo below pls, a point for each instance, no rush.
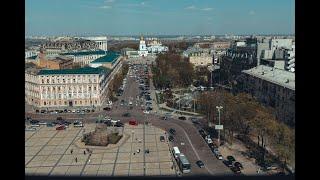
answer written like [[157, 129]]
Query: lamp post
[[219, 108]]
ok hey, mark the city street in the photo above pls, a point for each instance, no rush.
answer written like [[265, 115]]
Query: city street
[[187, 137]]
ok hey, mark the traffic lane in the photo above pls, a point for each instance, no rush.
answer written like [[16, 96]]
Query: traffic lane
[[203, 149]]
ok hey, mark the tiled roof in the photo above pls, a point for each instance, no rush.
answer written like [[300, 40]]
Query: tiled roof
[[85, 53]]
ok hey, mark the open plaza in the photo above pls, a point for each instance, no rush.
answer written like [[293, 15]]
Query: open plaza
[[60, 152]]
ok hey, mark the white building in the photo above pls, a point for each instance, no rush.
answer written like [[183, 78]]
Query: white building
[[100, 40], [143, 51], [155, 47]]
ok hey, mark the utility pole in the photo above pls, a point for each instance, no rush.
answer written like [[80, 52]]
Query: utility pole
[[219, 108]]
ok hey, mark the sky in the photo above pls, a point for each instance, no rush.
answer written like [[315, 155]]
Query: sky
[[159, 17]]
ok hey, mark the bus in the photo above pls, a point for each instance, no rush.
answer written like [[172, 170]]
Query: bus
[[183, 163], [176, 152]]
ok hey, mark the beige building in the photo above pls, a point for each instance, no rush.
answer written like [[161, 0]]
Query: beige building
[[273, 87], [201, 58], [59, 89]]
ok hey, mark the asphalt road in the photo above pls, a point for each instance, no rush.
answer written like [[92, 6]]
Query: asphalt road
[[187, 137]]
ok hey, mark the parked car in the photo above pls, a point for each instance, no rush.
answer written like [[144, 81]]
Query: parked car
[[34, 121], [42, 123], [182, 118], [200, 164], [50, 125], [61, 127], [107, 109], [162, 139], [59, 118], [30, 129], [172, 131], [146, 112], [231, 158], [236, 170], [171, 138], [126, 115], [35, 125], [119, 124], [239, 165], [227, 163]]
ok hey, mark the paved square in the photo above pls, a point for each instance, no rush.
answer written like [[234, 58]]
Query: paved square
[[48, 152]]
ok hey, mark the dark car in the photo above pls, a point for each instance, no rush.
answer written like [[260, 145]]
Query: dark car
[[50, 125], [239, 165], [61, 128], [227, 163], [171, 138], [59, 118], [172, 131], [200, 164], [37, 111], [149, 109], [162, 138], [236, 170], [107, 109], [119, 124], [108, 123], [34, 121], [126, 115], [231, 158], [182, 118], [201, 131]]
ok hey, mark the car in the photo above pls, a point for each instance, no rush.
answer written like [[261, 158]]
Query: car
[[34, 121], [35, 125], [171, 138], [61, 127], [216, 151], [227, 163], [108, 123], [164, 118], [172, 131], [200, 164], [42, 123], [231, 158], [162, 139], [122, 102], [37, 111], [237, 164], [236, 170], [149, 109], [50, 125], [182, 118], [194, 120], [107, 109], [92, 110], [146, 112], [59, 118], [119, 124], [126, 115], [80, 124]]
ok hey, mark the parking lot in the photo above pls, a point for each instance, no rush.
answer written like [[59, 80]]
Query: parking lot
[[48, 152]]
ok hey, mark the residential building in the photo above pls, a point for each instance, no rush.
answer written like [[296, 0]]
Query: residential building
[[67, 88], [272, 87]]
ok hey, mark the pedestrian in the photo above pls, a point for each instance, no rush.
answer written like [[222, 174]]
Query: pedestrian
[[134, 153], [84, 152], [89, 160], [71, 151], [76, 159]]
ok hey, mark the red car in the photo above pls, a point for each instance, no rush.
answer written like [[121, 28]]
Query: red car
[[61, 128], [133, 122]]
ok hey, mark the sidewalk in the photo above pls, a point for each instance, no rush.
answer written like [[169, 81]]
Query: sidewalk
[[235, 150]]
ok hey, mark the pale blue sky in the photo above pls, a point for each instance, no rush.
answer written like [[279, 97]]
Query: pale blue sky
[[154, 17]]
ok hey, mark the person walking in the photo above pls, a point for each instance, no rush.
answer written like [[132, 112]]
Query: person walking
[[84, 152], [76, 159], [71, 151]]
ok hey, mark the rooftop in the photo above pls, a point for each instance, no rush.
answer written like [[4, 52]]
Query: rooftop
[[109, 57], [85, 53], [84, 70], [274, 75]]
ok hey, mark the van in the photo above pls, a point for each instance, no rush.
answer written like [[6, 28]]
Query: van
[[176, 152]]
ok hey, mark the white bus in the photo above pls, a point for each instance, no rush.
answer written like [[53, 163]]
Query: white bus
[[183, 163], [176, 152]]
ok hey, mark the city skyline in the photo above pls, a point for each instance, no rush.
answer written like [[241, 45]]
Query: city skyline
[[185, 17]]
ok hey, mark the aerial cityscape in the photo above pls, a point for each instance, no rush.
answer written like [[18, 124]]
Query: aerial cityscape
[[140, 88]]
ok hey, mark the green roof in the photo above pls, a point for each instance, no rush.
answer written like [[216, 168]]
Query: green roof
[[84, 70], [85, 53], [109, 57], [33, 57]]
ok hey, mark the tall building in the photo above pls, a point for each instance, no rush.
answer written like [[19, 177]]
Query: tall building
[[143, 51], [68, 88], [272, 87]]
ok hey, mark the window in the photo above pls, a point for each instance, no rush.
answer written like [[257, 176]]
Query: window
[[52, 80], [94, 88], [55, 103], [44, 103], [63, 80], [74, 80], [65, 103], [42, 81], [47, 80], [75, 102]]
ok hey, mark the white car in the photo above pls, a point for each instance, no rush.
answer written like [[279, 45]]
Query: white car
[[35, 125], [42, 123], [146, 112], [30, 129], [78, 125]]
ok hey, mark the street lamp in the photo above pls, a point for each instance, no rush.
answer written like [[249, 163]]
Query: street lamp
[[219, 108]]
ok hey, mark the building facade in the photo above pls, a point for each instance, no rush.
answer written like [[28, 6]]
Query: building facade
[[272, 87], [83, 58], [201, 58], [110, 60], [71, 88], [143, 51]]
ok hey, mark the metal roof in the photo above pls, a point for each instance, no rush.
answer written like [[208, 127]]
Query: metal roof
[[109, 57], [274, 75], [85, 53], [84, 70]]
